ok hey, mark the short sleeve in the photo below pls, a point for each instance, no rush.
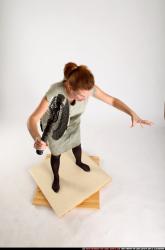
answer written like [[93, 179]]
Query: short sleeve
[[49, 93], [53, 90]]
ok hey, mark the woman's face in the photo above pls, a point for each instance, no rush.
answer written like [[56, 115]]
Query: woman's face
[[79, 95]]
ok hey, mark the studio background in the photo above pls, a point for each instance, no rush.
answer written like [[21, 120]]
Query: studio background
[[122, 43]]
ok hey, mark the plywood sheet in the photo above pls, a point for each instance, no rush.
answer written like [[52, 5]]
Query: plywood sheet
[[76, 185], [92, 202]]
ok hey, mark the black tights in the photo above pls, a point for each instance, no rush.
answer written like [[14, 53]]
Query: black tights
[[77, 151], [55, 163]]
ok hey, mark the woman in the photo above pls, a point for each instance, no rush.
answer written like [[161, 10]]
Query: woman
[[78, 85]]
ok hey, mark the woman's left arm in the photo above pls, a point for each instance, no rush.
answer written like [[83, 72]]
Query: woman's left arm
[[115, 102]]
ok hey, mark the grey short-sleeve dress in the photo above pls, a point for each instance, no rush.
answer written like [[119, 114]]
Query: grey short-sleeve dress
[[71, 137]]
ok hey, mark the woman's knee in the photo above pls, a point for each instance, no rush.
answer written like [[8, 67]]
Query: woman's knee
[[54, 158]]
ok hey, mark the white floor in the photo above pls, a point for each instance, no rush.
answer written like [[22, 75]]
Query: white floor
[[132, 210]]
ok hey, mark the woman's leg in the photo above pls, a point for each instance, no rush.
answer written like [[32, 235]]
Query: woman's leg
[[77, 153], [55, 163]]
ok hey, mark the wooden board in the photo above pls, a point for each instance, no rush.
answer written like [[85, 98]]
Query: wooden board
[[76, 185], [92, 202]]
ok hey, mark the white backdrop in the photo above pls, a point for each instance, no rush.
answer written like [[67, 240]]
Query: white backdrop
[[122, 42]]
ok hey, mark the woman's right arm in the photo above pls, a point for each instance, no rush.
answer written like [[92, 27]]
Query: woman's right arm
[[35, 117]]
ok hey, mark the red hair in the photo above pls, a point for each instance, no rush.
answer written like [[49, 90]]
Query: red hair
[[79, 77]]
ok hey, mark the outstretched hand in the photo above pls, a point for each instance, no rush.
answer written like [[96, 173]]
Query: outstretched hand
[[136, 119]]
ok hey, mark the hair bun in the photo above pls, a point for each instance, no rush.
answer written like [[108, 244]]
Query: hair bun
[[69, 67]]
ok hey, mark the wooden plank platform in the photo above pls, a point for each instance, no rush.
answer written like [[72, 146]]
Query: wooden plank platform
[[76, 185], [92, 202]]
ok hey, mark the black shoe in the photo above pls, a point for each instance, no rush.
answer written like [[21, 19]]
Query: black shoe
[[56, 185], [84, 166]]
